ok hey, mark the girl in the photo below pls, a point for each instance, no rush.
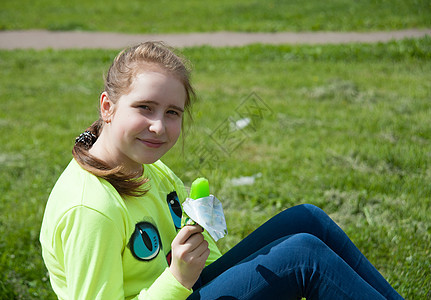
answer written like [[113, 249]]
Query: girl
[[111, 228]]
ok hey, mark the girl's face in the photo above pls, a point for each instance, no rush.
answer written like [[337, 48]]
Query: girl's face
[[146, 122]]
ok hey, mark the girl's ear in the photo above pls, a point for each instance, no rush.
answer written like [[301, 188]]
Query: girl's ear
[[106, 107]]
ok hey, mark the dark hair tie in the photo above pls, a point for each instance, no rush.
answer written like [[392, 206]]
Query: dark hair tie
[[86, 138]]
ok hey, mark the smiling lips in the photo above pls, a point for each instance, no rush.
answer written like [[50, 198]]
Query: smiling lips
[[152, 143]]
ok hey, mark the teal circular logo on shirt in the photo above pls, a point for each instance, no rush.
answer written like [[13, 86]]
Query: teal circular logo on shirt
[[145, 242]]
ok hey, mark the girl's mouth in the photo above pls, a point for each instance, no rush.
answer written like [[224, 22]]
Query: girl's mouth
[[152, 143]]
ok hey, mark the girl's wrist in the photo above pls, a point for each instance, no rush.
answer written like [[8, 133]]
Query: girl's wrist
[[179, 278]]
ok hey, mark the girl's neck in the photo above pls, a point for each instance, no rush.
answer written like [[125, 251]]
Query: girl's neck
[[102, 151]]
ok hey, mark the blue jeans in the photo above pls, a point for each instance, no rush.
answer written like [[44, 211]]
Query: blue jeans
[[300, 252]]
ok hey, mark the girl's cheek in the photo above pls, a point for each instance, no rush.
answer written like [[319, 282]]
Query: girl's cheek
[[138, 123], [176, 127]]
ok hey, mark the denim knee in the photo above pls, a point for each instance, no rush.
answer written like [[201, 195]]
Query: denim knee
[[313, 209], [320, 217], [306, 209], [307, 242]]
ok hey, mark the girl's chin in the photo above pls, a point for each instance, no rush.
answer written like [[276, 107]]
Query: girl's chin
[[147, 156], [149, 160]]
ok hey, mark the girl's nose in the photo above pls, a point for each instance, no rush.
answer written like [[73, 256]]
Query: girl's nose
[[157, 126]]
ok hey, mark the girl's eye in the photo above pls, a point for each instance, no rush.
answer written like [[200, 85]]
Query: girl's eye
[[146, 107], [173, 112]]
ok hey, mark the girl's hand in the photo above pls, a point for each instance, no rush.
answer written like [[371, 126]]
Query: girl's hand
[[189, 254]]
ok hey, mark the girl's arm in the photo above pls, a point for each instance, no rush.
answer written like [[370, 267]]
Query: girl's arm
[[91, 247]]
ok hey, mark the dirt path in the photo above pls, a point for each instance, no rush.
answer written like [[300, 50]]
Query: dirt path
[[40, 39]]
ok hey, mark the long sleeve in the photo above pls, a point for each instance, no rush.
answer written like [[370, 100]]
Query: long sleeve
[[92, 247]]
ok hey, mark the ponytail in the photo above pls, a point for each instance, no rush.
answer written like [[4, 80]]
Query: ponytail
[[126, 183]]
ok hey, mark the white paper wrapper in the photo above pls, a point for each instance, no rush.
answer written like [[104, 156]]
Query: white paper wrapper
[[207, 212]]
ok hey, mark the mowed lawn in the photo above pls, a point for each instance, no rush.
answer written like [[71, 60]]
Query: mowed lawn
[[215, 15], [344, 127]]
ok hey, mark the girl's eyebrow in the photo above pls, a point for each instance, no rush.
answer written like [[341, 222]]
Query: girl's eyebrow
[[157, 104]]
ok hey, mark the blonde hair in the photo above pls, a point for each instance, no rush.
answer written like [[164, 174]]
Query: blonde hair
[[126, 65]]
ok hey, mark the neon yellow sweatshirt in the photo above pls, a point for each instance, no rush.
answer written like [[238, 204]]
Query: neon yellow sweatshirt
[[97, 245]]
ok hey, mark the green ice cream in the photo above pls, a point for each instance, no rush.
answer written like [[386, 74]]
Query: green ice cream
[[200, 188]]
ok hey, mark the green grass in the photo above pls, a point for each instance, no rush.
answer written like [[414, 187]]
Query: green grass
[[346, 128], [240, 15]]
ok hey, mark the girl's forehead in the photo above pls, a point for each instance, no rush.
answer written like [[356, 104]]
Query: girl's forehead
[[155, 69], [152, 77], [152, 84], [143, 67]]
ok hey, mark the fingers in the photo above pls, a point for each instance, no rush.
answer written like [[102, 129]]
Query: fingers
[[190, 244], [198, 248], [186, 232]]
